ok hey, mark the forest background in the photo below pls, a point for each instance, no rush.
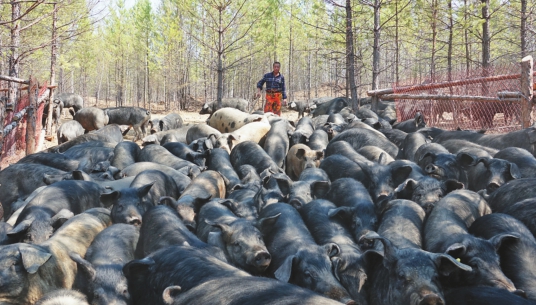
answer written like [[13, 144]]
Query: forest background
[[174, 53]]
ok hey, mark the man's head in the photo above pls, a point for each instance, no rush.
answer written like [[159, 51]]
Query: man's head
[[276, 66]]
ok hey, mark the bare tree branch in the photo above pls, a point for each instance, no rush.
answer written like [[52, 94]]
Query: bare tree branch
[[30, 9]]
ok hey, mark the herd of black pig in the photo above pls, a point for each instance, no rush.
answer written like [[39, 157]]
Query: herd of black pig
[[341, 207]]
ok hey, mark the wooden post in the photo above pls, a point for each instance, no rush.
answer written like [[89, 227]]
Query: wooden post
[[31, 118], [527, 81], [374, 103]]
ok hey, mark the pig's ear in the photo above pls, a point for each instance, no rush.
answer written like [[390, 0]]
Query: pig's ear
[[267, 221], [428, 154], [170, 293], [137, 267], [336, 263], [514, 171], [233, 137], [84, 265], [456, 250], [33, 257], [20, 229], [345, 213], [239, 186], [382, 159], [225, 228], [501, 240], [405, 189], [169, 201], [109, 198], [484, 194], [284, 271], [60, 218], [81, 175], [484, 160], [332, 249], [452, 185], [296, 203], [372, 257], [216, 239], [320, 154], [446, 264], [208, 143], [300, 153], [49, 179], [401, 173], [144, 189], [200, 201], [319, 189], [465, 160], [232, 205], [390, 252], [284, 183], [213, 137]]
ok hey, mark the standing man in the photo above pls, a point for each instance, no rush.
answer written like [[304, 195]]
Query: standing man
[[275, 89]]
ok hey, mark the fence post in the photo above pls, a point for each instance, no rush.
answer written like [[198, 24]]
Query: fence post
[[527, 81], [374, 103], [30, 117]]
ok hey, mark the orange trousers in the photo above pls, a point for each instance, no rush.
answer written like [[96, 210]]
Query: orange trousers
[[273, 103]]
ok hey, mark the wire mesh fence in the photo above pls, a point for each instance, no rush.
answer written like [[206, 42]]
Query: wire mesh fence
[[466, 99]]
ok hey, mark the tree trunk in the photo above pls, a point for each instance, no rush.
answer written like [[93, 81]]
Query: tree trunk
[[397, 47], [13, 69], [524, 18], [376, 52], [166, 108], [107, 87], [486, 36], [309, 58], [315, 72], [220, 60], [146, 81], [466, 39], [486, 42], [99, 86], [53, 58], [350, 55], [122, 81], [449, 59], [274, 44], [451, 41], [14, 54], [290, 51], [434, 40]]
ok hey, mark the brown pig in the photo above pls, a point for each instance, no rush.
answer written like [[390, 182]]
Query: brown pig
[[300, 157]]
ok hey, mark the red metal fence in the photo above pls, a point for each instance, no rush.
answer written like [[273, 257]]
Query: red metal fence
[[491, 98]]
